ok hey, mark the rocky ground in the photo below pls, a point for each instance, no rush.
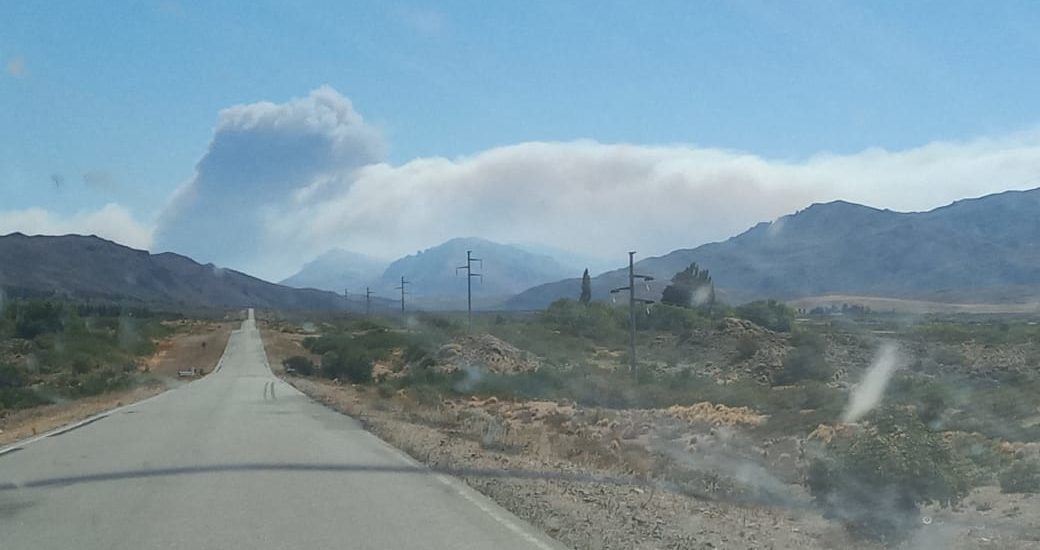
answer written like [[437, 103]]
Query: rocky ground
[[597, 479], [702, 476]]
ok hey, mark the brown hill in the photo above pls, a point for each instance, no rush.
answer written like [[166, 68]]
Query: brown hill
[[88, 267]]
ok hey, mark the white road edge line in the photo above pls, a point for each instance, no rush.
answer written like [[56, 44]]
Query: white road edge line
[[74, 425]]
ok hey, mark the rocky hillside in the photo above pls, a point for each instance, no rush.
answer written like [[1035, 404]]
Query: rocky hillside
[[337, 270], [92, 268], [434, 283], [975, 250]]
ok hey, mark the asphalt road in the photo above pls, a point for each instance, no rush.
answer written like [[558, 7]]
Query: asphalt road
[[238, 459]]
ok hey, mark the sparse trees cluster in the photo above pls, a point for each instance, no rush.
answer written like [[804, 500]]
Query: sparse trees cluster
[[691, 287]]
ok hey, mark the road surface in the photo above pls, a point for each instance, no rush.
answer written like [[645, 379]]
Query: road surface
[[238, 459]]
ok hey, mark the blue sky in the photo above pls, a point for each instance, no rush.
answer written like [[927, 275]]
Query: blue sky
[[121, 99]]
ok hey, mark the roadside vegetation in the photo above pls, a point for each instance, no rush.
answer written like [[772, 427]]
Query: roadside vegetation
[[961, 411], [53, 351]]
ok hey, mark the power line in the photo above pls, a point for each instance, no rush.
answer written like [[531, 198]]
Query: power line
[[469, 284], [631, 288], [368, 302]]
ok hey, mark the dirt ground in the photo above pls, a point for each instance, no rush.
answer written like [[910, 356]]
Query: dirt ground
[[197, 344], [281, 344], [701, 476], [183, 350]]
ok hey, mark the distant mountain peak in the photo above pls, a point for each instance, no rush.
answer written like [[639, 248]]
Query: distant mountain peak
[[985, 246]]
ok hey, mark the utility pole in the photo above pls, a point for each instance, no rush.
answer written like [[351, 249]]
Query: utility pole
[[368, 302], [631, 288], [402, 288], [469, 285]]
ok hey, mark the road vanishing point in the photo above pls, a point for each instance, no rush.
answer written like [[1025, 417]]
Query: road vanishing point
[[237, 460]]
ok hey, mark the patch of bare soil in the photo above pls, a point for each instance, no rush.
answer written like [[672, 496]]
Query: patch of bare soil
[[596, 478], [197, 344], [680, 477]]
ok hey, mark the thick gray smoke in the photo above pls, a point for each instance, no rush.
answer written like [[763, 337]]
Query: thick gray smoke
[[871, 389]]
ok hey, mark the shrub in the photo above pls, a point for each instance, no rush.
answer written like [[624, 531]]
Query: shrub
[[352, 365], [672, 318], [1023, 476], [102, 380], [803, 363], [747, 347], [593, 320], [11, 376], [299, 364], [769, 314], [20, 398], [35, 317], [875, 480]]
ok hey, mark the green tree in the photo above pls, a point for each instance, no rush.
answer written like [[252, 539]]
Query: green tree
[[690, 287], [875, 481], [586, 287]]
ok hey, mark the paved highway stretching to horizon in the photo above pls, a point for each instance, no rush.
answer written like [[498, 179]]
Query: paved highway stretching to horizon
[[237, 460]]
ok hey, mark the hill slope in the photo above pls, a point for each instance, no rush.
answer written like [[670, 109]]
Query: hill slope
[[984, 249], [507, 270], [90, 267], [337, 270]]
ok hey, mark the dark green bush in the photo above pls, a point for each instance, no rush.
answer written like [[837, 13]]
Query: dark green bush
[[875, 480], [20, 398], [101, 381], [35, 317], [769, 314], [11, 376], [1023, 476], [801, 364], [300, 364], [350, 364]]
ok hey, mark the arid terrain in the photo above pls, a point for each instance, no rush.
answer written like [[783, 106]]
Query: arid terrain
[[701, 475], [191, 344]]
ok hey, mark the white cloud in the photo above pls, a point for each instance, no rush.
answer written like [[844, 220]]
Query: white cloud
[[282, 183], [260, 155], [112, 222]]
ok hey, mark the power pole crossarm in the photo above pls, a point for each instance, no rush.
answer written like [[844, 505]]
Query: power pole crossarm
[[469, 285], [403, 289], [632, 300]]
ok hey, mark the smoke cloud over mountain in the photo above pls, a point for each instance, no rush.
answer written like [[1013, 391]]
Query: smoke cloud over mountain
[[281, 183]]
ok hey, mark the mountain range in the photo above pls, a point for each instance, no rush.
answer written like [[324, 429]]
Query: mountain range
[[505, 269], [433, 279], [973, 250], [338, 270], [91, 268], [982, 250]]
